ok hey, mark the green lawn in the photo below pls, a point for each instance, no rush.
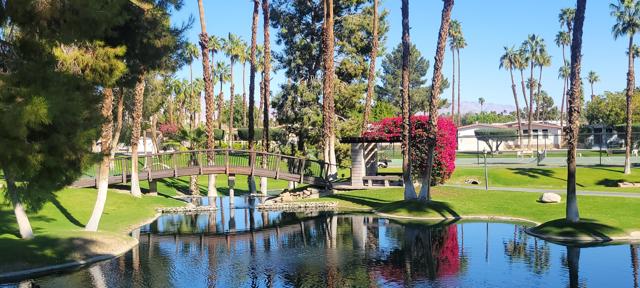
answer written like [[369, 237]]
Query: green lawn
[[588, 178], [613, 216], [58, 227]]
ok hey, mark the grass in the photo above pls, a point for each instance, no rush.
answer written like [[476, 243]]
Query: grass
[[58, 227], [588, 178], [612, 216]]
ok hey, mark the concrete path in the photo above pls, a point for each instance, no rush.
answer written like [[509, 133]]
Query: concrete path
[[538, 190]]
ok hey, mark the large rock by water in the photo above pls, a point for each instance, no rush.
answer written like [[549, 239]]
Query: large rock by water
[[550, 198]]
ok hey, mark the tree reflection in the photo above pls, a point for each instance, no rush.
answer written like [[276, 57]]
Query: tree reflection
[[634, 264], [536, 256]]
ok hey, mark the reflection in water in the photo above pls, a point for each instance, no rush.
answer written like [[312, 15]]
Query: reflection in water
[[252, 248]]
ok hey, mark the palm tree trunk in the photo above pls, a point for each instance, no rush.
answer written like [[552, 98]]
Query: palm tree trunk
[[409, 190], [453, 85], [105, 149], [231, 106], [208, 97], [266, 91], [572, 213], [538, 95], [328, 98], [138, 95], [634, 264], [629, 112], [220, 104], [372, 68], [244, 95], [116, 134], [564, 93], [524, 90], [425, 190], [515, 99], [21, 216], [252, 101], [154, 134], [459, 80]]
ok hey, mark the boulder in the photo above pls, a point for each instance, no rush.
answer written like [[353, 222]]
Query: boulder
[[550, 198]]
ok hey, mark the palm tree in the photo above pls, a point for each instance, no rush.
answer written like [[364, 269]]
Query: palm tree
[[563, 73], [460, 43], [566, 17], [409, 190], [224, 75], [425, 190], [189, 139], [507, 61], [244, 58], [138, 100], [372, 67], [572, 213], [454, 31], [521, 65], [328, 107], [543, 60], [531, 48], [252, 84], [627, 14], [192, 53], [481, 101], [266, 91], [215, 45], [593, 77], [233, 48]]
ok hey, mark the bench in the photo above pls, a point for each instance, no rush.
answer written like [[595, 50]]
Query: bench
[[385, 178], [520, 154]]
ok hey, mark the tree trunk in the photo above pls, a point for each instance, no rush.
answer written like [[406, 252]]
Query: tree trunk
[[116, 134], [524, 90], [409, 189], [574, 113], [453, 85], [629, 112], [244, 96], [530, 115], [515, 99], [105, 149], [372, 68], [24, 226], [459, 93], [634, 264], [154, 134], [208, 98], [231, 106], [425, 191], [564, 92], [538, 95], [592, 95], [135, 133], [252, 101], [220, 105], [573, 265], [328, 106], [266, 91]]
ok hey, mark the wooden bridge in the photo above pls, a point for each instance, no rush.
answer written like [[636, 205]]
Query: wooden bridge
[[223, 161]]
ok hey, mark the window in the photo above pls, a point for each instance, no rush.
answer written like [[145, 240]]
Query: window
[[545, 133], [525, 132]]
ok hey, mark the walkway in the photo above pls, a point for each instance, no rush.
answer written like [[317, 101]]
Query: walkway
[[539, 190]]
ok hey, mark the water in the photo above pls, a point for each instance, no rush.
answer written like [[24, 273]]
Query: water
[[243, 247]]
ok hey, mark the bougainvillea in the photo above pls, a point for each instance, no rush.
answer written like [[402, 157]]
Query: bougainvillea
[[168, 129], [390, 129]]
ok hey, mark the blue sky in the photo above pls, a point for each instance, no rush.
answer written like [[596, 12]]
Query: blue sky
[[488, 26]]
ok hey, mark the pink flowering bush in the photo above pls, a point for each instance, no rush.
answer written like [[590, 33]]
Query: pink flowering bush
[[168, 129], [390, 129]]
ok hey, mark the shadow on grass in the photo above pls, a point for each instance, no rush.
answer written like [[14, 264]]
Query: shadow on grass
[[66, 212], [538, 173], [360, 200], [609, 182], [420, 209], [588, 228], [43, 250], [10, 225]]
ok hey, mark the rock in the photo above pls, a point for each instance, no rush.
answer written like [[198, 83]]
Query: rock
[[191, 205], [628, 184], [550, 198]]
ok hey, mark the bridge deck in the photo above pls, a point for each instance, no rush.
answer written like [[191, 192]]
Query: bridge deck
[[218, 161]]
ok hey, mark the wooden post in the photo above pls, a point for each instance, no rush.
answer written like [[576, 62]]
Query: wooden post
[[149, 164], [123, 165], [301, 171], [226, 161], [175, 165], [199, 163], [277, 167]]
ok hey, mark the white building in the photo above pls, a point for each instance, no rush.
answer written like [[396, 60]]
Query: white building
[[545, 136]]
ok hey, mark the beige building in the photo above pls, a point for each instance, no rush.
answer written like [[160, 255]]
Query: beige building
[[545, 136]]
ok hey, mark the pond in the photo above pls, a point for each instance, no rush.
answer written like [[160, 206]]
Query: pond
[[244, 247]]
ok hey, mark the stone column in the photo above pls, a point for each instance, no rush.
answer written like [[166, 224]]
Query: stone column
[[153, 187], [357, 164], [371, 158], [232, 183]]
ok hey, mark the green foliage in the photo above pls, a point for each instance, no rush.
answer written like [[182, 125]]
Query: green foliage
[[495, 136], [243, 133], [487, 118], [609, 110]]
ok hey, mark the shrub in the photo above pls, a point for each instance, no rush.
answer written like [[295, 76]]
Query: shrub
[[274, 133], [390, 129]]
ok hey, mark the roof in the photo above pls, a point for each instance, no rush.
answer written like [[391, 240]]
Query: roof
[[509, 125]]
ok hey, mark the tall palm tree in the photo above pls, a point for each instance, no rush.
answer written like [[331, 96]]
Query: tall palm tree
[[223, 72], [572, 213], [543, 60], [593, 77], [454, 32], [192, 54], [252, 84], [460, 43], [215, 45], [409, 190], [521, 64], [531, 48], [481, 101], [244, 58], [208, 95], [372, 67], [566, 17], [507, 61], [266, 85], [233, 48], [138, 100], [328, 106], [425, 190], [627, 14], [563, 73]]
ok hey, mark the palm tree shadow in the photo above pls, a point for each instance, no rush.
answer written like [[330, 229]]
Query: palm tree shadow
[[586, 227], [66, 212], [537, 173], [443, 209]]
